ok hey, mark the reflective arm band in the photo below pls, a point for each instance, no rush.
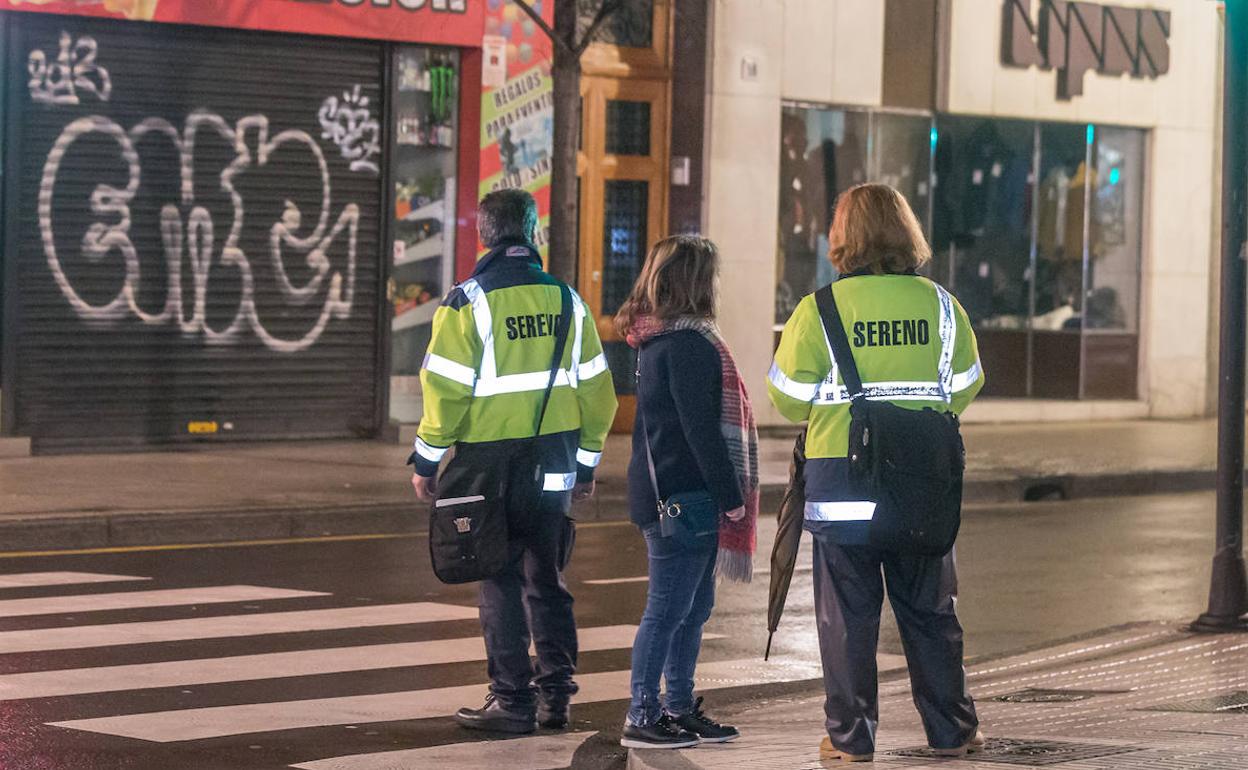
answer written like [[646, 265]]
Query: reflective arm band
[[593, 367], [791, 388], [433, 454], [425, 458], [451, 370], [587, 458], [841, 511], [558, 482], [966, 379]]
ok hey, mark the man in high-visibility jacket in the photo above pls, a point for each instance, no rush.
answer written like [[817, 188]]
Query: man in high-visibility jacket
[[914, 347], [484, 379]]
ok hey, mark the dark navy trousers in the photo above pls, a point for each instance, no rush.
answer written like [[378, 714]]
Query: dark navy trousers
[[849, 593], [529, 601]]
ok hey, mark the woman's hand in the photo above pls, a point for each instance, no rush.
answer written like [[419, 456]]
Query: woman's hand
[[736, 514]]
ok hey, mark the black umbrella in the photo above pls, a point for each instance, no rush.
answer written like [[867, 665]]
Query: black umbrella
[[788, 537]]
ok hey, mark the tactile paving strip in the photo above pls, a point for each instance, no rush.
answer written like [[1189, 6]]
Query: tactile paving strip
[[1232, 703], [1008, 751], [1041, 695]]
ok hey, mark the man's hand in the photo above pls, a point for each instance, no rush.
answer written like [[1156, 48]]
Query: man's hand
[[583, 491], [426, 487], [736, 514]]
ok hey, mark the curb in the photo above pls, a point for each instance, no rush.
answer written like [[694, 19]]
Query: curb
[[111, 529], [117, 530]]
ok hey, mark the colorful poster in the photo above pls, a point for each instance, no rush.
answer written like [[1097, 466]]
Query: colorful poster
[[449, 22], [517, 105]]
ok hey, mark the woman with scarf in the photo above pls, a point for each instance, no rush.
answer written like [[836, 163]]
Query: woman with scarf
[[695, 458]]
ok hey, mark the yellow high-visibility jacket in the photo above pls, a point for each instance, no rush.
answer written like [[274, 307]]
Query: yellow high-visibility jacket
[[489, 362], [913, 345]]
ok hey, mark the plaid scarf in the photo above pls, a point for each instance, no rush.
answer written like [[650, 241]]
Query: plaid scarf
[[737, 539]]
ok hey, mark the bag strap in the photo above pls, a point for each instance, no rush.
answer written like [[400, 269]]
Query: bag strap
[[825, 300], [556, 358], [645, 436]]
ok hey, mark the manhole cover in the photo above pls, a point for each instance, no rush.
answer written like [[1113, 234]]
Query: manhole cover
[[1231, 703], [1009, 751], [1040, 695]]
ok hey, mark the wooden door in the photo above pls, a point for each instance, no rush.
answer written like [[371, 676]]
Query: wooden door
[[623, 172]]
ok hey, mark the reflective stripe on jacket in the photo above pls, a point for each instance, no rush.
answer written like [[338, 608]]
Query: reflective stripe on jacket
[[914, 347], [489, 362]]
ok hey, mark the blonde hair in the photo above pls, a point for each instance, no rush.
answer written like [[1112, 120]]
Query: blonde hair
[[677, 279], [875, 229]]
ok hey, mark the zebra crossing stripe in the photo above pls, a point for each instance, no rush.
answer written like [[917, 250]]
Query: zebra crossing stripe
[[38, 579], [543, 752], [226, 626], [55, 605], [43, 684], [223, 721], [616, 581], [764, 570]]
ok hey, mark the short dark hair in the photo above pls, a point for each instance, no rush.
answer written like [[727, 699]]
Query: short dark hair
[[506, 215]]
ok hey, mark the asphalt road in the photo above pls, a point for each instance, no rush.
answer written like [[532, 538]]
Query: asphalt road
[[262, 656]]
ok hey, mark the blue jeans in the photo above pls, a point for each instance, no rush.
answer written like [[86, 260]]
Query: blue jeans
[[678, 603]]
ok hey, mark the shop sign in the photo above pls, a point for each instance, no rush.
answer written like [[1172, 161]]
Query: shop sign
[[1074, 38], [449, 22]]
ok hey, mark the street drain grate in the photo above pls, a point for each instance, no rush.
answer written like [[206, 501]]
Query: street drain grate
[[1231, 703], [1009, 751], [1041, 695]]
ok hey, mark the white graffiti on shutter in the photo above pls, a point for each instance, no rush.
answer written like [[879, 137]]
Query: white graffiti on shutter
[[195, 237], [349, 124], [74, 70]]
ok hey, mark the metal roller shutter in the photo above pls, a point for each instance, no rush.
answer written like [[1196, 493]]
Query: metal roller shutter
[[196, 229]]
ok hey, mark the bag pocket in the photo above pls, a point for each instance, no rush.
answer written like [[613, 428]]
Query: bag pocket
[[692, 518], [916, 513], [467, 538]]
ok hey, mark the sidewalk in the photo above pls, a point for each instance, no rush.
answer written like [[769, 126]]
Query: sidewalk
[[1148, 696], [280, 490]]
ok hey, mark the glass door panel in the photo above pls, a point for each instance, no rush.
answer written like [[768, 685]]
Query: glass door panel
[[422, 167]]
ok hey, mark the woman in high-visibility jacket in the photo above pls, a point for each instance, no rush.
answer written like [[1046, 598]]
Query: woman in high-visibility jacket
[[914, 346]]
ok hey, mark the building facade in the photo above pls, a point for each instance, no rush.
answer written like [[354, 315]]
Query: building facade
[[1061, 156], [233, 219]]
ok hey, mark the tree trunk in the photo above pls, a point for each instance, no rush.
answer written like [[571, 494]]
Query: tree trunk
[[564, 190]]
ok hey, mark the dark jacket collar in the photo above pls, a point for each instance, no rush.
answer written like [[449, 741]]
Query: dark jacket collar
[[866, 272], [508, 251]]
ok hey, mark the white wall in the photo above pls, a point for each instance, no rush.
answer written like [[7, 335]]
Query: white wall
[[1180, 108], [810, 50]]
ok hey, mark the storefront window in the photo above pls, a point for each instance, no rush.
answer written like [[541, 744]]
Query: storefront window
[[903, 154], [1059, 227], [1114, 269], [823, 152], [982, 217], [423, 170], [1036, 227], [1052, 289]]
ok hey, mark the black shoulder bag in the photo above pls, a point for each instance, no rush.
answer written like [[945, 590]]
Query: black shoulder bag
[[490, 491], [910, 462]]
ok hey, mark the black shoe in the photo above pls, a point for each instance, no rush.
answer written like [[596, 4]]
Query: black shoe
[[663, 734], [553, 713], [497, 717], [707, 729]]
